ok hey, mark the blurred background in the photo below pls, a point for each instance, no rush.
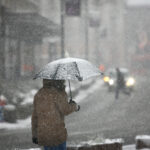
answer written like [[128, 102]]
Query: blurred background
[[34, 32], [108, 33]]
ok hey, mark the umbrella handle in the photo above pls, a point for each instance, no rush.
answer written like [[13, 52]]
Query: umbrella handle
[[70, 91]]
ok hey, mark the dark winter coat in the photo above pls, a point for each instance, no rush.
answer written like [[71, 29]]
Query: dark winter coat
[[50, 108], [120, 79]]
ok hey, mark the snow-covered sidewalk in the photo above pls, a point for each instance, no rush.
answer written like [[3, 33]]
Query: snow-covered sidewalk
[[128, 147], [20, 124]]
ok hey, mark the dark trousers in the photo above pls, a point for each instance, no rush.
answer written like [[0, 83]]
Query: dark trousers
[[117, 92], [59, 147]]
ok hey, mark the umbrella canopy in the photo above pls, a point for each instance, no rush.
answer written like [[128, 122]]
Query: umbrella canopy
[[68, 69]]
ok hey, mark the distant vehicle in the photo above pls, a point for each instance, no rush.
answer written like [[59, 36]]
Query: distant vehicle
[[110, 80]]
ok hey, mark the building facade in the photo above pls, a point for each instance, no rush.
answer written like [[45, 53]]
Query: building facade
[[137, 33], [97, 32], [23, 30], [35, 32]]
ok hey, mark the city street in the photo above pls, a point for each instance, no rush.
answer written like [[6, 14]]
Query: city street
[[101, 116], [74, 40]]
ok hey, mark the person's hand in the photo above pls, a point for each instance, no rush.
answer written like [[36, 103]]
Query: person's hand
[[35, 140], [72, 102], [77, 107]]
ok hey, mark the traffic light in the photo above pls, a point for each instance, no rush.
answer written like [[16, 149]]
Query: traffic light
[[72, 7]]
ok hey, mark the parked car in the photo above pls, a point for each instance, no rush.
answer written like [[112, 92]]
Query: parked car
[[110, 79]]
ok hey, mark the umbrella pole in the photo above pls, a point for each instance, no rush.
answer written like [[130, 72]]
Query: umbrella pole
[[70, 91]]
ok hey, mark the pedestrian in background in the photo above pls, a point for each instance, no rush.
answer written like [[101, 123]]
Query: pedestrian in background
[[120, 83], [50, 108]]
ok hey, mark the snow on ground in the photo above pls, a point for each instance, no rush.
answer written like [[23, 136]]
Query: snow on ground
[[143, 137], [28, 98], [20, 124], [99, 140], [129, 147]]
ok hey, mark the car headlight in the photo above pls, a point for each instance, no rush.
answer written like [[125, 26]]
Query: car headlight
[[111, 82], [130, 82], [106, 79]]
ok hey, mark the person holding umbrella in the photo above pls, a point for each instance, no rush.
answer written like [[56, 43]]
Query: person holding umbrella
[[50, 107], [50, 103]]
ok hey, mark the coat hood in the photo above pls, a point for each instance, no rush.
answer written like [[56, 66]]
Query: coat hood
[[59, 84]]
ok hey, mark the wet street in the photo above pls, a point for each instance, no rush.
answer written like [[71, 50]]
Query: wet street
[[101, 116], [105, 117]]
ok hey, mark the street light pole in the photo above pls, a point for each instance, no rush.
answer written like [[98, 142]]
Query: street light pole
[[86, 31], [2, 40], [62, 28]]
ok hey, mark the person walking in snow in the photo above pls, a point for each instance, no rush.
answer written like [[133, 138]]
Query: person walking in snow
[[50, 108], [119, 82]]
